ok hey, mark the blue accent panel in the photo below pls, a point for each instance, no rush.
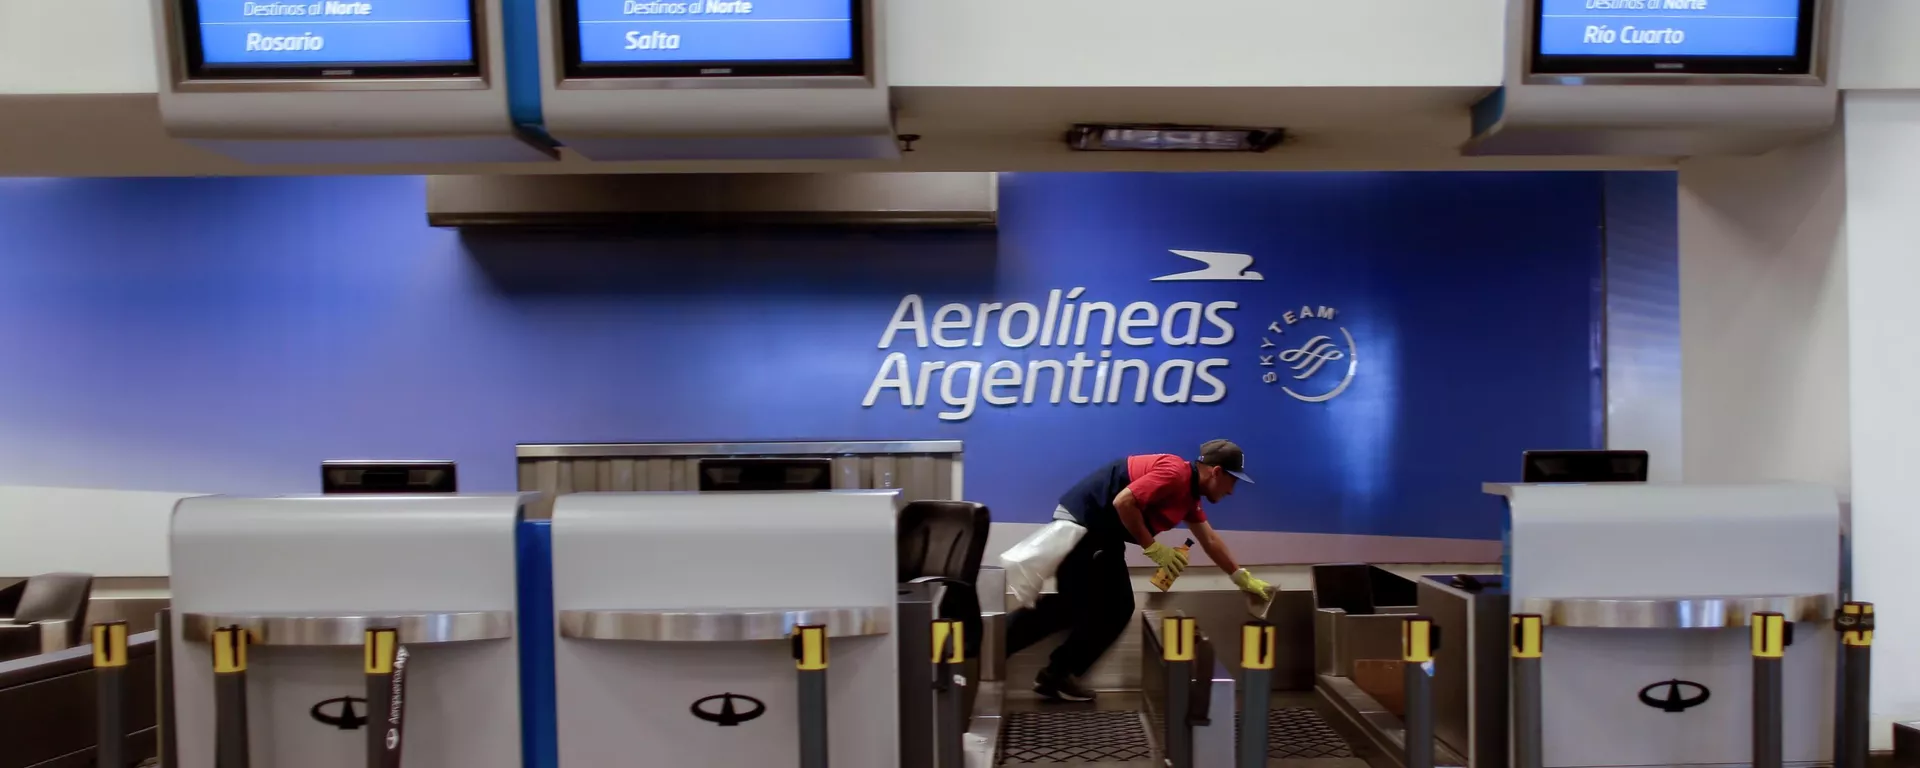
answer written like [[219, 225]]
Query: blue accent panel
[[1597, 331], [1488, 111], [520, 30], [1643, 315], [539, 724]]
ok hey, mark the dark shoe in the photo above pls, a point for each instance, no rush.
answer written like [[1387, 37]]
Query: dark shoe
[[1060, 687]]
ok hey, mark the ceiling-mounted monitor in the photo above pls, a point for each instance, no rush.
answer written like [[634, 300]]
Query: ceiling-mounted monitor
[[1674, 37], [713, 38], [329, 39]]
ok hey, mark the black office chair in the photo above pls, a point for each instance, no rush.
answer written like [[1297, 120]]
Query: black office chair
[[944, 541], [10, 598], [44, 598]]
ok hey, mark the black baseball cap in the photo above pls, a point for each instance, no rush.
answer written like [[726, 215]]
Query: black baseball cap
[[1225, 455]]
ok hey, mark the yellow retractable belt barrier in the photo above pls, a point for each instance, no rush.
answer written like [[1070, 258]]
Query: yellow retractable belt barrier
[[1257, 646], [1416, 640], [1856, 624], [230, 649], [1769, 635], [950, 637], [381, 646], [1526, 636], [1176, 638], [110, 644], [810, 648]]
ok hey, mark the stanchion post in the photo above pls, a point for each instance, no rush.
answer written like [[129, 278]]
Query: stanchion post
[[231, 745], [810, 663], [1178, 636], [1257, 653], [915, 621], [1527, 731], [1771, 633], [385, 678], [1418, 640], [165, 729], [110, 683], [1855, 622], [949, 681]]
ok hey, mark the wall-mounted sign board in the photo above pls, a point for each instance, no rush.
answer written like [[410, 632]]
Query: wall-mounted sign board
[[712, 38], [294, 39], [1681, 37]]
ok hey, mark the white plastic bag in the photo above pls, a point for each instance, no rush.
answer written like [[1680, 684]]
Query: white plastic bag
[[1035, 559]]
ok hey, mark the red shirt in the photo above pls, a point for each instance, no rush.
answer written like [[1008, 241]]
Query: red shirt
[[1163, 484]]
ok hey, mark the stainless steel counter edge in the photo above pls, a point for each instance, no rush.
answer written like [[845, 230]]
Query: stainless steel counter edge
[[610, 450], [721, 626], [415, 628], [1675, 612]]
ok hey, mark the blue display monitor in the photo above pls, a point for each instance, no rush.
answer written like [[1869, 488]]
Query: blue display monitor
[[1747, 37], [713, 38], [329, 38]]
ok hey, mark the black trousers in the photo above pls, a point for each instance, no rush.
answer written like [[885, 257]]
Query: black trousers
[[1094, 604]]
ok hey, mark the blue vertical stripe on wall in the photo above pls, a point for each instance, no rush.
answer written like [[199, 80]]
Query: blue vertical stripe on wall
[[1643, 317], [225, 335]]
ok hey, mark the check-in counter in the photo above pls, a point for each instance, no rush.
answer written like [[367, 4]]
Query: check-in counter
[[304, 629], [720, 669], [1646, 593]]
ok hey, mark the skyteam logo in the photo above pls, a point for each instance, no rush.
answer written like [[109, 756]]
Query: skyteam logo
[[1309, 354]]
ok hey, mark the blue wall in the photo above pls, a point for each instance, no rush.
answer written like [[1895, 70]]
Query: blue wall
[[228, 334]]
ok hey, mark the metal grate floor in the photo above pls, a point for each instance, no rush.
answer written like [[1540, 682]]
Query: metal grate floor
[[1298, 733], [1080, 736]]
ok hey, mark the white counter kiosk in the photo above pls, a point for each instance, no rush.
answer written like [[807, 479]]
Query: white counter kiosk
[[674, 621], [1646, 591], [305, 578]]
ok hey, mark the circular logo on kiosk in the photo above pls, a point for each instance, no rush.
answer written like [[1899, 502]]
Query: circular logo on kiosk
[[346, 719], [1309, 354], [720, 709], [1674, 700]]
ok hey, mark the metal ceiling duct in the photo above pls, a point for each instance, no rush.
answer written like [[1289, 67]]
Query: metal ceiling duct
[[715, 201]]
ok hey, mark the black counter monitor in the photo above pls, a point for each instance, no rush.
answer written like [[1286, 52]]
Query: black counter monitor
[[1584, 467], [766, 474], [388, 477]]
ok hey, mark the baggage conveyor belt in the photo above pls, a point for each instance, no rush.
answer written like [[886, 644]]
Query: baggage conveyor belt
[[1112, 731]]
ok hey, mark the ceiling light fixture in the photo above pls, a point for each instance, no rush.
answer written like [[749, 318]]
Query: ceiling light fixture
[[1101, 137]]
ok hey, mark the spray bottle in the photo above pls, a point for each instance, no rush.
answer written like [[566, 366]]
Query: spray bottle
[[1163, 578]]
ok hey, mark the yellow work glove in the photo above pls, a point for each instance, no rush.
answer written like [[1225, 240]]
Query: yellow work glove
[[1174, 560], [1245, 580]]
